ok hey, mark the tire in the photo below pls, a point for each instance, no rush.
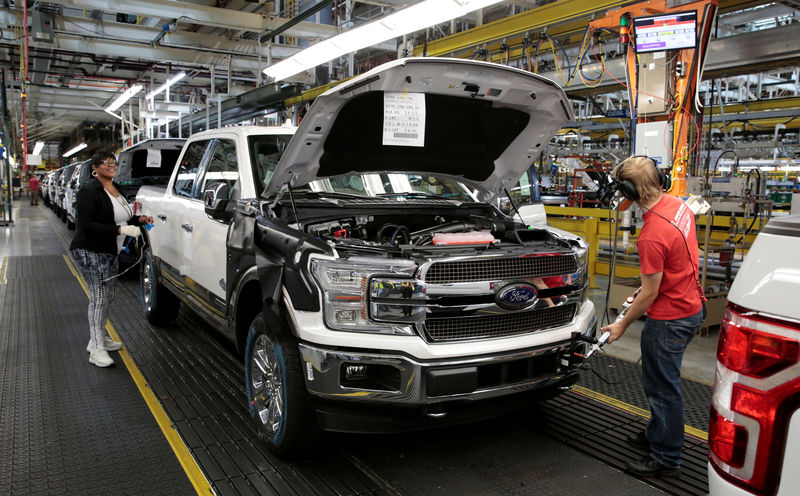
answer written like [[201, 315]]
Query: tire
[[70, 225], [276, 393], [158, 304]]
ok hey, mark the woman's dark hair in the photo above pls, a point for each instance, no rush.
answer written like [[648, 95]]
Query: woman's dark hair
[[99, 157]]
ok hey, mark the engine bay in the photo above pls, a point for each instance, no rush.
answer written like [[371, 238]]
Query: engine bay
[[428, 231]]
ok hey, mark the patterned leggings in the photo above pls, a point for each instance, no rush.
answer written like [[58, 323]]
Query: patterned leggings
[[97, 267]]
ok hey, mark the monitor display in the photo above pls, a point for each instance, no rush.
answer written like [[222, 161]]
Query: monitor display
[[665, 32]]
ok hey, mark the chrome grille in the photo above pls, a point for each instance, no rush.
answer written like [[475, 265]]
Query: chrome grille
[[493, 326], [500, 269]]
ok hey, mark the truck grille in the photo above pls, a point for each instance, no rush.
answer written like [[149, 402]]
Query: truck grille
[[500, 269], [492, 326]]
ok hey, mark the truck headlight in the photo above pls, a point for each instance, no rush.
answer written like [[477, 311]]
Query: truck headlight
[[582, 276], [367, 296]]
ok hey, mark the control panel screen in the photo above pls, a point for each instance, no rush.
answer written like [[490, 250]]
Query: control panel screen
[[665, 32]]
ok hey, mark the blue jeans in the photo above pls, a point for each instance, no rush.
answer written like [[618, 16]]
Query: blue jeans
[[663, 344]]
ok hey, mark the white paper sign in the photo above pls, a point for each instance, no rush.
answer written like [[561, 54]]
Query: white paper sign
[[153, 158], [404, 119]]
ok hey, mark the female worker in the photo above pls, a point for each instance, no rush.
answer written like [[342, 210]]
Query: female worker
[[104, 218]]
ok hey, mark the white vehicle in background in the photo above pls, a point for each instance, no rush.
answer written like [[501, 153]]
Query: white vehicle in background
[[80, 175], [754, 429]]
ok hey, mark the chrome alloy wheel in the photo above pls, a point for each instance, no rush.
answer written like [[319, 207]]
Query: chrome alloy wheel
[[266, 384], [147, 283]]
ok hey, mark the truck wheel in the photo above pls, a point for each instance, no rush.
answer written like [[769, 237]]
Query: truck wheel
[[279, 402], [159, 305]]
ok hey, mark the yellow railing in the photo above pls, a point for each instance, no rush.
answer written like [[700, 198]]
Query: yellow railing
[[596, 226]]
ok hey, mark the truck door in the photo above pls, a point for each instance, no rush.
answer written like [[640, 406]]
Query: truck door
[[169, 215], [205, 260]]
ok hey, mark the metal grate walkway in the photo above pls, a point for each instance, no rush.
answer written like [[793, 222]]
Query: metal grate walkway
[[569, 445]]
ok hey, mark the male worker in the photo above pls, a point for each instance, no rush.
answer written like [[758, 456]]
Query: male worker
[[33, 189], [672, 297]]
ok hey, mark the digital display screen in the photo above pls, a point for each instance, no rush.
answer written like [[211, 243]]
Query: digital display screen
[[665, 32]]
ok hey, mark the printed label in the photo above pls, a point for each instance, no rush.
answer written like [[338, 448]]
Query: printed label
[[404, 119], [153, 158]]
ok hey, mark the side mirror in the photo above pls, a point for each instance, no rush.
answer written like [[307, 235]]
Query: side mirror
[[215, 199]]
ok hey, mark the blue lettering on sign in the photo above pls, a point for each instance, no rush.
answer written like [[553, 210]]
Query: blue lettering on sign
[[516, 296], [621, 114]]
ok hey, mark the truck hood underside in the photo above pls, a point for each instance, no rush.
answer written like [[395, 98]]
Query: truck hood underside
[[480, 122]]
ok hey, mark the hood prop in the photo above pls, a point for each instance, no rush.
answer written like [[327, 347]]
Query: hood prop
[[515, 208], [287, 186]]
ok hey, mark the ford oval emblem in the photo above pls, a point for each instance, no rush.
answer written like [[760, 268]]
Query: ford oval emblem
[[516, 296]]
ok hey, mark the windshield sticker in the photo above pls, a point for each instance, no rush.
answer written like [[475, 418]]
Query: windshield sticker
[[404, 119], [153, 158]]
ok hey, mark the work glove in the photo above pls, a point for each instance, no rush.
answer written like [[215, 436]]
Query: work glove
[[129, 231]]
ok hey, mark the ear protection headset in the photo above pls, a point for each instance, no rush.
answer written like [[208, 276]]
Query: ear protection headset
[[628, 188]]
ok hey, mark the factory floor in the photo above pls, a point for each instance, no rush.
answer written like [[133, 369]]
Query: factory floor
[[699, 361], [171, 416]]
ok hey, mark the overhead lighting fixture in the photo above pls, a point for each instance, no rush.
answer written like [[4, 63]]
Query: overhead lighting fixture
[[169, 82], [37, 148], [414, 18], [124, 97], [73, 151]]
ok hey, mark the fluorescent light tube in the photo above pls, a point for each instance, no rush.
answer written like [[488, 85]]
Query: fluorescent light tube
[[169, 82], [124, 97], [414, 18], [73, 151], [37, 148]]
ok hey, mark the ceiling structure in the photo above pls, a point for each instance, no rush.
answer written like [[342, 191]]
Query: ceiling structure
[[82, 54]]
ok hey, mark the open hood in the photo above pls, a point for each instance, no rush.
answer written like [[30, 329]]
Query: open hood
[[480, 122]]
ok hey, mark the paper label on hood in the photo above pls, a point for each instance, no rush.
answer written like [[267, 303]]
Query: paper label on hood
[[153, 158], [403, 119]]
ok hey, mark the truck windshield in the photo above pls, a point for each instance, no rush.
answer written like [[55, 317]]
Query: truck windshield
[[391, 185], [265, 152]]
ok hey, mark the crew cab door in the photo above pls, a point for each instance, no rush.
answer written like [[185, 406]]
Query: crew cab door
[[205, 255], [169, 238]]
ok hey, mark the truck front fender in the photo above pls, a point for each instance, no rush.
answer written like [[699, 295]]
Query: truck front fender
[[282, 260]]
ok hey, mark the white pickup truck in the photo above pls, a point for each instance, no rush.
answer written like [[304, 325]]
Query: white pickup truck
[[362, 265], [754, 428]]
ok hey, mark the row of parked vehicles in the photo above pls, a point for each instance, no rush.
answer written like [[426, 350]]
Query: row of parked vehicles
[[149, 162], [361, 266]]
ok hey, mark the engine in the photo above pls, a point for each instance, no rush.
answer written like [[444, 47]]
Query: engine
[[414, 231]]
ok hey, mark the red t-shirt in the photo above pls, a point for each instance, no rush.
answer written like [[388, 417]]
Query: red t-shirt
[[662, 249], [33, 184]]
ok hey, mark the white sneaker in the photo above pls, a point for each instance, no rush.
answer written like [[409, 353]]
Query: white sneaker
[[100, 358], [108, 345], [111, 345]]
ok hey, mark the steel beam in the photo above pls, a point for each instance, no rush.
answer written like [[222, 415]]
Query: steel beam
[[733, 54], [177, 39], [239, 108], [144, 51], [201, 14], [531, 20]]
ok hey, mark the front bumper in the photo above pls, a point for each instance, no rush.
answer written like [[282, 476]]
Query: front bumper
[[394, 378]]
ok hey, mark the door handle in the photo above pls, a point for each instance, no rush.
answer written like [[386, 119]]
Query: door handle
[[187, 226], [162, 216]]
